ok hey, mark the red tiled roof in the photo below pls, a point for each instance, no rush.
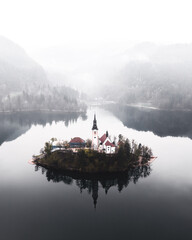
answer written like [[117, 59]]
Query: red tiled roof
[[102, 139], [109, 144], [77, 140]]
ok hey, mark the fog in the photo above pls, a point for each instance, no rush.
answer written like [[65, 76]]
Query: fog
[[64, 78], [59, 55], [44, 23], [157, 75]]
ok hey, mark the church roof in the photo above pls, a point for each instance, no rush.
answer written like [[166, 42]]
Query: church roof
[[77, 140], [103, 138], [109, 144]]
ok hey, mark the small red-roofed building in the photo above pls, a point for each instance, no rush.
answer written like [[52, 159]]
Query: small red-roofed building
[[77, 142]]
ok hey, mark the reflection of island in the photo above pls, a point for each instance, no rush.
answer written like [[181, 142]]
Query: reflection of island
[[12, 125], [161, 122], [94, 182]]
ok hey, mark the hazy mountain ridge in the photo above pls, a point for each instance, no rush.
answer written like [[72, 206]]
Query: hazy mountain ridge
[[81, 67], [17, 70], [161, 76], [24, 84]]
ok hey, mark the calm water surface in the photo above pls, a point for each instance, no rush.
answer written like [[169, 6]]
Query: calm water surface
[[151, 203]]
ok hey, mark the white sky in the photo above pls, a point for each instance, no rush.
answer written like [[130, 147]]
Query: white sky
[[42, 23]]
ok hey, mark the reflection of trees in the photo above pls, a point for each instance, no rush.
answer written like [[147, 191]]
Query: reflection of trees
[[92, 182], [161, 122], [12, 125]]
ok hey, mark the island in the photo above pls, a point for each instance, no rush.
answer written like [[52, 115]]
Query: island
[[99, 155]]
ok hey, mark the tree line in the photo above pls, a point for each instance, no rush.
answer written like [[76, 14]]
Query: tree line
[[43, 98]]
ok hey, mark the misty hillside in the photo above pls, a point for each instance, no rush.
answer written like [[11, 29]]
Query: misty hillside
[[157, 75], [81, 67], [147, 73], [17, 70], [24, 84]]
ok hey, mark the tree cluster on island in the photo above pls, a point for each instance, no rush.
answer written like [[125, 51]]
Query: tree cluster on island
[[128, 154]]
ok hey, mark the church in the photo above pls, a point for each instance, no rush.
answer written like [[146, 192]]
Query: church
[[101, 144]]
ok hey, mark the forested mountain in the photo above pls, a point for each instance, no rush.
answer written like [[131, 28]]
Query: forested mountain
[[157, 75], [24, 84]]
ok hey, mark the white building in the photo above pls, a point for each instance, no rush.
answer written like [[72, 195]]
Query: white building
[[102, 144], [106, 145]]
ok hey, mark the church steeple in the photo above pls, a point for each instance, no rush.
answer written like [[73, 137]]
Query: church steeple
[[95, 136], [94, 123]]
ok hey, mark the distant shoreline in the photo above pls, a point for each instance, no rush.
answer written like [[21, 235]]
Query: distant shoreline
[[138, 105], [43, 111]]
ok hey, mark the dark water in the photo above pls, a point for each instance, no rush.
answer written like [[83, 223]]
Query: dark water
[[15, 124], [161, 122], [92, 182], [146, 203]]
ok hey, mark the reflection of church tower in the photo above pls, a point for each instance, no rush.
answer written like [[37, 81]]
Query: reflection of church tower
[[95, 188], [95, 137]]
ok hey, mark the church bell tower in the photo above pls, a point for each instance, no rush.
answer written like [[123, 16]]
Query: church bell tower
[[95, 136]]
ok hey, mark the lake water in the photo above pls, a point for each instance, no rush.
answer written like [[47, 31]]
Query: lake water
[[150, 203]]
